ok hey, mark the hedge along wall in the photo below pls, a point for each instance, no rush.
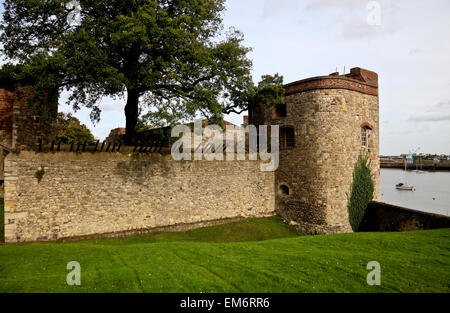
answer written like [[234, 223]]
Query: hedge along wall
[[87, 194]]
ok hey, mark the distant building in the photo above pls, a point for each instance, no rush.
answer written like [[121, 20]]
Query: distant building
[[150, 134], [115, 136]]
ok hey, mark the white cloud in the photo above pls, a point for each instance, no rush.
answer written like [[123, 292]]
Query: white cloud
[[112, 105], [330, 4], [443, 104], [350, 19], [430, 117], [414, 51], [272, 7], [439, 112]]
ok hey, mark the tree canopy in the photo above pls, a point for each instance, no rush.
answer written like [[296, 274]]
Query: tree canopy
[[70, 130], [171, 56]]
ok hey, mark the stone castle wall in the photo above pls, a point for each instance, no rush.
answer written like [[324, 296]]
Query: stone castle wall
[[87, 194], [318, 170]]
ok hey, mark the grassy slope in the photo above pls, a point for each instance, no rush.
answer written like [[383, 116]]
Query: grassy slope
[[225, 259]]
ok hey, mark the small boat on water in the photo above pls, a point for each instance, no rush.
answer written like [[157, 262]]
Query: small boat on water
[[404, 186]]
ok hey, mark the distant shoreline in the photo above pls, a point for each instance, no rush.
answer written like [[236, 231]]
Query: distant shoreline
[[424, 167]]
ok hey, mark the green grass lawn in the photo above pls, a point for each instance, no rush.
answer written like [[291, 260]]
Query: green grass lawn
[[258, 255]]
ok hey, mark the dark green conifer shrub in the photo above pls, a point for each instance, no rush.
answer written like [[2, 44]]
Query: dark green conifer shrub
[[361, 192]]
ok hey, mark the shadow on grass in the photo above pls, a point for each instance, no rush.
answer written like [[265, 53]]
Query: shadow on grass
[[253, 229]]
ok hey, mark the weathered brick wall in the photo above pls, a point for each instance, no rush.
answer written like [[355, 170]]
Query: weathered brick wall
[[331, 82], [6, 116], [6, 125], [85, 194], [32, 122], [22, 123]]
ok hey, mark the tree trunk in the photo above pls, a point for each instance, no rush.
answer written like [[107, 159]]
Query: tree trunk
[[131, 115]]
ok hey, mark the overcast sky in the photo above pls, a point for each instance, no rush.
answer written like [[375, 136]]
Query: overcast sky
[[409, 50]]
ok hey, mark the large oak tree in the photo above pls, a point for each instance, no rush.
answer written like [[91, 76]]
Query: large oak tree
[[170, 55]]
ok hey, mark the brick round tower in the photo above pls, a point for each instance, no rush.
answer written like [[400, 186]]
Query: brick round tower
[[325, 124]]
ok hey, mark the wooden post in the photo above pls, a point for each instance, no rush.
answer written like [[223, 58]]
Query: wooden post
[[141, 149], [152, 146], [114, 147], [59, 146], [103, 145], [107, 147], [118, 148], [157, 145], [71, 147], [96, 145], [160, 146], [40, 144], [78, 146], [52, 146], [84, 146]]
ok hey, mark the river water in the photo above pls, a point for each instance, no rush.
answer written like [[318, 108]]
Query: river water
[[432, 190]]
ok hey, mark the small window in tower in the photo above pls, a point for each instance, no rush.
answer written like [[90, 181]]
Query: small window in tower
[[38, 139], [287, 138], [280, 110], [36, 119], [1, 183], [364, 137], [365, 134], [284, 190]]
